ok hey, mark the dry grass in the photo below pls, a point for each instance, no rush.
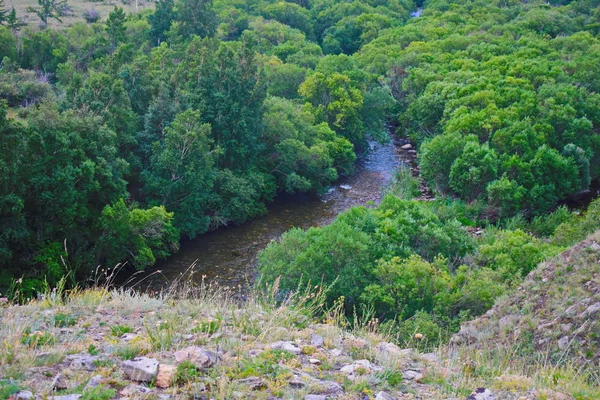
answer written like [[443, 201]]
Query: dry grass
[[78, 7]]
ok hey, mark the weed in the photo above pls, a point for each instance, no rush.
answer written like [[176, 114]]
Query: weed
[[99, 393], [64, 320], [37, 338], [120, 330]]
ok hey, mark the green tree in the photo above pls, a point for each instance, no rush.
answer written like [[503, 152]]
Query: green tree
[[197, 17], [134, 235], [115, 26], [335, 100], [473, 170], [182, 173], [160, 21], [48, 9], [3, 13]]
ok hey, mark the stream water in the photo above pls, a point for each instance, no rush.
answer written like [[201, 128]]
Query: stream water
[[228, 255]]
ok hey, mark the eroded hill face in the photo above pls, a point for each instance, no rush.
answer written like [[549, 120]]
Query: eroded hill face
[[554, 316]]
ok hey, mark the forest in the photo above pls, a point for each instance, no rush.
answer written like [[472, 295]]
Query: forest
[[122, 135]]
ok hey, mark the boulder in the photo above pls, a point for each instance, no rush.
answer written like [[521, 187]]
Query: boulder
[[198, 356], [384, 396], [316, 340], [165, 376], [140, 369], [287, 346], [95, 381]]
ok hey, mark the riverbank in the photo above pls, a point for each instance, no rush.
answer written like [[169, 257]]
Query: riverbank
[[104, 344]]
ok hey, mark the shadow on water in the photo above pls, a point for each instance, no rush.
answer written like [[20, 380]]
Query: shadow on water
[[228, 255]]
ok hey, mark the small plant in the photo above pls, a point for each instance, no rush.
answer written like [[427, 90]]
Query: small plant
[[99, 393], [187, 373], [208, 326], [128, 352], [64, 320], [93, 350], [120, 330], [37, 338]]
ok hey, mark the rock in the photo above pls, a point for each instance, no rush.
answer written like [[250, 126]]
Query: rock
[[315, 397], [407, 146], [356, 343], [95, 381], [128, 337], [336, 352], [133, 390], [410, 375], [315, 361], [297, 384], [384, 396], [166, 373], [482, 394], [253, 383], [390, 350], [198, 356], [595, 246], [563, 342], [358, 365], [591, 310], [327, 388], [431, 357], [24, 395], [66, 397], [316, 340], [140, 369], [82, 361], [60, 382], [287, 346]]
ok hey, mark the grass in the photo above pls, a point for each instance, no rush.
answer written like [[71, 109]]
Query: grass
[[241, 332], [78, 7]]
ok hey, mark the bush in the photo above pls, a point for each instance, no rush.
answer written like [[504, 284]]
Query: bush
[[91, 16]]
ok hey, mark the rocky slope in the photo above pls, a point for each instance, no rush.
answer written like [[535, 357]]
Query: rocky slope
[[539, 343]]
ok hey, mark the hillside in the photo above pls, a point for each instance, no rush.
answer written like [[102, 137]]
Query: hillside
[[553, 316], [201, 344]]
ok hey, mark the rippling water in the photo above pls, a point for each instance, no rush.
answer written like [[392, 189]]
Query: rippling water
[[228, 255]]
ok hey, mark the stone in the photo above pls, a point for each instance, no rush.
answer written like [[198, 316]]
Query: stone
[[253, 383], [287, 346], [316, 340], [482, 394], [140, 369], [82, 361], [431, 357], [414, 376], [66, 397], [94, 381], [133, 390], [390, 350], [327, 388], [24, 395], [563, 342], [384, 396], [356, 343], [315, 397], [198, 356], [591, 310], [358, 365], [60, 382], [315, 361], [297, 384], [166, 373], [595, 246], [336, 352], [407, 146], [128, 337]]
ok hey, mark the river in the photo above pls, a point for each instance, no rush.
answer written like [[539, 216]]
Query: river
[[228, 256]]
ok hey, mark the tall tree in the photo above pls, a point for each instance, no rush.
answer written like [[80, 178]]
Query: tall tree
[[182, 173], [197, 17], [160, 21], [3, 12], [115, 26], [48, 9]]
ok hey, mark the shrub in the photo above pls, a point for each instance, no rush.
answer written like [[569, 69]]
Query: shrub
[[91, 16]]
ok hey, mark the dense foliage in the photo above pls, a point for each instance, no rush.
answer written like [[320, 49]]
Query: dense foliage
[[138, 129]]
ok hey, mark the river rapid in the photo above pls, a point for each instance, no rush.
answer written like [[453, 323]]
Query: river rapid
[[228, 256]]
